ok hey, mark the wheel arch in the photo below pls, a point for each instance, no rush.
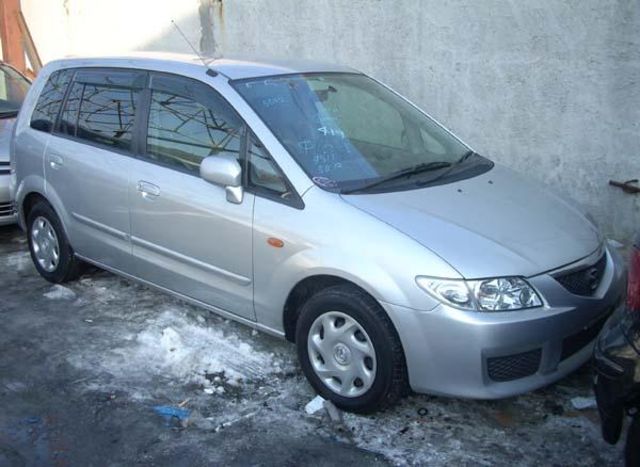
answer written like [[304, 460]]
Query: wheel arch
[[29, 193], [305, 289], [30, 201]]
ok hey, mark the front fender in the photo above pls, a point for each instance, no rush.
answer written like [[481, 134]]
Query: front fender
[[331, 237], [384, 284]]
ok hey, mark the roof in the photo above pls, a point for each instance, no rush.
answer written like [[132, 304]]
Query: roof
[[248, 68], [232, 68]]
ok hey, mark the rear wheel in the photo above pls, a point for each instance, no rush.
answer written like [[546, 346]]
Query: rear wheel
[[350, 351], [50, 250]]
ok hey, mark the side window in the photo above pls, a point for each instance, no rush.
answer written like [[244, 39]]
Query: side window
[[188, 122], [101, 107], [48, 105], [263, 173]]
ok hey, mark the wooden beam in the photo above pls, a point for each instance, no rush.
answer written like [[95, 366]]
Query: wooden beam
[[10, 34], [28, 44]]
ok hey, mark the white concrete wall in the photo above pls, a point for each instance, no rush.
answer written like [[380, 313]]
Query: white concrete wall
[[107, 27], [551, 88]]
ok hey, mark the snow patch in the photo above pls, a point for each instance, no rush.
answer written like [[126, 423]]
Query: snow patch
[[583, 403], [60, 292], [179, 348], [19, 260]]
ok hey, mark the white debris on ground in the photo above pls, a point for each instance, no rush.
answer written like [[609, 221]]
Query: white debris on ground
[[60, 292], [582, 403], [176, 347], [335, 414], [314, 405]]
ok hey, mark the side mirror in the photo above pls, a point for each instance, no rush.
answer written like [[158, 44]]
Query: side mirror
[[224, 171]]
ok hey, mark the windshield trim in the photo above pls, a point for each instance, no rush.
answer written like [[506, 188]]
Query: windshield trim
[[236, 82]]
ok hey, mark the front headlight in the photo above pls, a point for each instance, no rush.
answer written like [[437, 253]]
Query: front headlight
[[497, 294]]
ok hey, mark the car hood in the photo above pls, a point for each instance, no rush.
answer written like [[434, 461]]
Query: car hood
[[6, 126], [496, 224]]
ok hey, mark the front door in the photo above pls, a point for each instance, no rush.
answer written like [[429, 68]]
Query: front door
[[186, 236]]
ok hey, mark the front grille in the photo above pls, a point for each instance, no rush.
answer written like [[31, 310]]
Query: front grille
[[578, 341], [584, 281], [6, 209], [5, 169], [514, 366]]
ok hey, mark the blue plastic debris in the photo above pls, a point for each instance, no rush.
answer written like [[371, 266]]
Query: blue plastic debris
[[172, 415], [32, 420]]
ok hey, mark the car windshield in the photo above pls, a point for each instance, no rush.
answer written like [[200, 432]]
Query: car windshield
[[350, 133], [13, 89]]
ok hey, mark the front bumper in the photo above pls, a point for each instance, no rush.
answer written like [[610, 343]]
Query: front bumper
[[494, 355], [7, 211]]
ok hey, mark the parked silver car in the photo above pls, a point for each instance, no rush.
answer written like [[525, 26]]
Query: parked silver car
[[312, 202], [13, 89]]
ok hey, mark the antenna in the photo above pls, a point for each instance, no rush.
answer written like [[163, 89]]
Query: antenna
[[190, 44]]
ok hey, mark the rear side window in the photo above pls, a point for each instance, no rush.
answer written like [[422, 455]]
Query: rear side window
[[46, 111], [101, 107], [187, 122]]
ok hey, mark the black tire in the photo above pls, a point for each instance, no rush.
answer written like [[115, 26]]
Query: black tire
[[632, 447], [68, 266], [390, 382]]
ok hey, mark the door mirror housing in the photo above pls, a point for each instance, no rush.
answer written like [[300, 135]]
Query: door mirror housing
[[224, 171]]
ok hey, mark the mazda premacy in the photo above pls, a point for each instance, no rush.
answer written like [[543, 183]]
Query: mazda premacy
[[312, 202]]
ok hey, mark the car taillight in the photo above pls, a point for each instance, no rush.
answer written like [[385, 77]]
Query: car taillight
[[633, 291]]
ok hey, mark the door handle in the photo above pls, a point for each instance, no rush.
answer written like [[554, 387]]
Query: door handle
[[148, 190], [55, 161]]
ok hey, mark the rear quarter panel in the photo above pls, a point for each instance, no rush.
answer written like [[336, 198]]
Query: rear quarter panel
[[27, 149]]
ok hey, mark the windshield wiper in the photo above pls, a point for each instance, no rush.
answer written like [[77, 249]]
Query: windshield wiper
[[440, 176], [409, 171], [466, 156]]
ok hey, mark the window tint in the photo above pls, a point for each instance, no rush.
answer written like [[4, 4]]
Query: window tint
[[188, 122], [101, 107], [69, 116], [48, 105], [263, 172]]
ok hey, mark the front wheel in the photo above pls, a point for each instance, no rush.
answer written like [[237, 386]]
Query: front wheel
[[350, 351]]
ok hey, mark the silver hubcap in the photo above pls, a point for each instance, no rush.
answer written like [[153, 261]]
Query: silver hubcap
[[342, 354], [45, 244]]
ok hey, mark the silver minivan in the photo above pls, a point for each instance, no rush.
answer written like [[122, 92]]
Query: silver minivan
[[312, 202]]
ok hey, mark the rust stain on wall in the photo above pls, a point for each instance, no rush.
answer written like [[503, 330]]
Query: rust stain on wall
[[220, 12]]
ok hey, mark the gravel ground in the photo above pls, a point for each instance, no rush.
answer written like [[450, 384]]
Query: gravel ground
[[85, 368]]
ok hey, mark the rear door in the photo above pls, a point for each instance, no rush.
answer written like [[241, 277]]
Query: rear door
[[186, 236], [87, 162]]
